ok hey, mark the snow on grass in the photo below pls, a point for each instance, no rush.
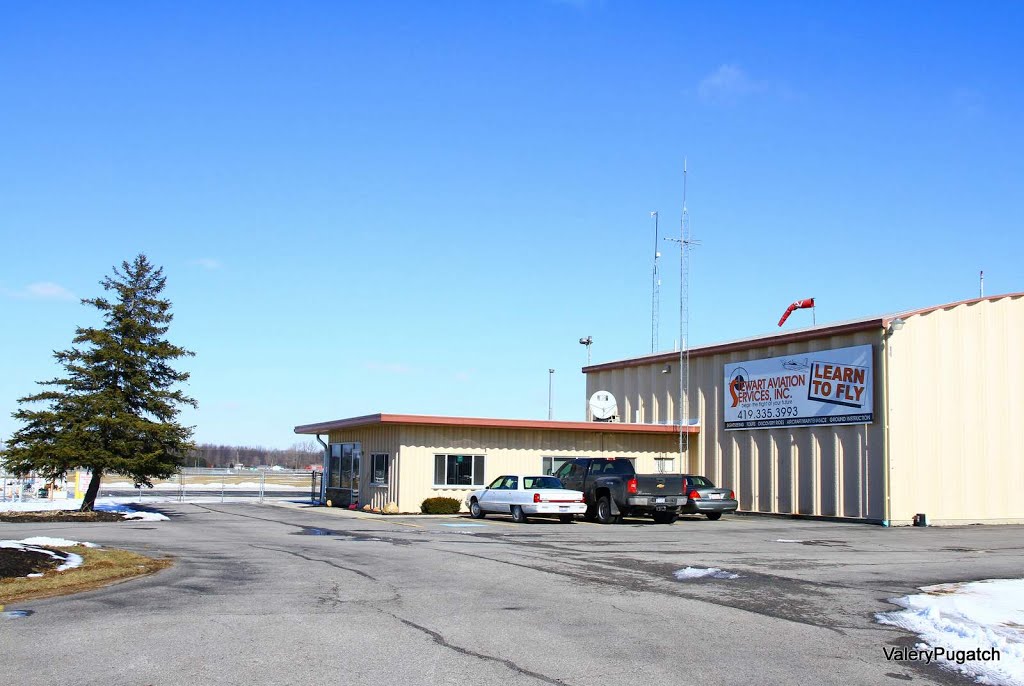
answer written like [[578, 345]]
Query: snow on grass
[[702, 572], [70, 562], [53, 542], [963, 617], [43, 544], [102, 505]]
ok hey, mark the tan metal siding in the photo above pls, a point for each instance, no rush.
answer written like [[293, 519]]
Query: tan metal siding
[[510, 451], [373, 439], [824, 470], [955, 409]]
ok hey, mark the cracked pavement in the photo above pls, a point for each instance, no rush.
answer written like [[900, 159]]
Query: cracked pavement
[[286, 594]]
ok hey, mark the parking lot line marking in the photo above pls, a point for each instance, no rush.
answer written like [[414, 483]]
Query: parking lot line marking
[[374, 519], [501, 523]]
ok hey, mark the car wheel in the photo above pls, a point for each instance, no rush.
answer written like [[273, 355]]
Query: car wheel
[[664, 517], [565, 519], [713, 516], [604, 511], [518, 516], [475, 512]]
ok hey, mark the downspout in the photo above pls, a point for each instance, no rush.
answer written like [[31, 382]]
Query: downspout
[[323, 474], [887, 511]]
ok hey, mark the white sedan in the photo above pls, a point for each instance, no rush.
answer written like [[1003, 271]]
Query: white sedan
[[523, 496]]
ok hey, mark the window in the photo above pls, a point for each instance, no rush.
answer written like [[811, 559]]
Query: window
[[381, 466], [550, 465], [665, 465], [568, 469], [541, 483], [458, 470], [334, 467], [616, 466], [699, 482]]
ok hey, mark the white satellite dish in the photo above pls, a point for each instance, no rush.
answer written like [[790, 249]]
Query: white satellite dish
[[603, 407]]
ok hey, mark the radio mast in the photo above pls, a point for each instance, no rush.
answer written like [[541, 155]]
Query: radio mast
[[655, 289], [683, 407]]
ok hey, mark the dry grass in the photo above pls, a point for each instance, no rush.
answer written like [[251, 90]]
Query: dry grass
[[101, 566]]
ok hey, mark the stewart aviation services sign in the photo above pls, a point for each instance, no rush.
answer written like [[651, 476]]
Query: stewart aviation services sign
[[827, 387]]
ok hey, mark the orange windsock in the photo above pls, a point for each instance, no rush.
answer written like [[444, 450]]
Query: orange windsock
[[798, 305]]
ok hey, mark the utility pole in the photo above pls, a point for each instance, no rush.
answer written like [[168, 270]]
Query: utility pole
[[551, 376]]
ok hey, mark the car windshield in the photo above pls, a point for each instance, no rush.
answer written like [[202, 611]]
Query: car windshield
[[541, 482], [700, 482]]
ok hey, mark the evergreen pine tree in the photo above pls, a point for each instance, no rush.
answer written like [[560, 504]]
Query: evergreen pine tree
[[115, 408]]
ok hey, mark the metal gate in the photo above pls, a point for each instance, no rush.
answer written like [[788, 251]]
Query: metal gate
[[316, 487]]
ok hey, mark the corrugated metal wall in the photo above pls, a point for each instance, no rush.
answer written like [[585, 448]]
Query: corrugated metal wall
[[374, 439], [511, 451], [955, 412], [825, 471]]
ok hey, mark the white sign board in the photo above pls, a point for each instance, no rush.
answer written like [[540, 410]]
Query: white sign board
[[828, 387]]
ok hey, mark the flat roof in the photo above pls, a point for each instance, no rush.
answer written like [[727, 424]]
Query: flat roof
[[485, 423], [793, 336]]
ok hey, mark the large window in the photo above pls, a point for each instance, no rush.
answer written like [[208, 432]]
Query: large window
[[550, 465], [458, 470], [381, 466], [343, 466]]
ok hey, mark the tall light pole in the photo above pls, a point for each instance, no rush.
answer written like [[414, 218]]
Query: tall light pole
[[588, 341], [551, 376]]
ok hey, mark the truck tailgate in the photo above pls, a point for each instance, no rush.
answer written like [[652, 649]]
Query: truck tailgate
[[659, 484]]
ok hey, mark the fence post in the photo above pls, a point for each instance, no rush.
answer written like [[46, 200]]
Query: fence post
[[263, 480], [181, 488]]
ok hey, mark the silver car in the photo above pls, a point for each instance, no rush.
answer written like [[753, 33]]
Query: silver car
[[703, 497]]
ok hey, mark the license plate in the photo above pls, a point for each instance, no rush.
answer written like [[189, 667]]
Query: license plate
[[659, 500], [716, 496], [563, 508]]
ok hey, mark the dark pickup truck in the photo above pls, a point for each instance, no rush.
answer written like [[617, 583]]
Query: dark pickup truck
[[614, 490]]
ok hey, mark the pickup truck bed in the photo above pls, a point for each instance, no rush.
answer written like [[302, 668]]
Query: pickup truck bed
[[614, 490]]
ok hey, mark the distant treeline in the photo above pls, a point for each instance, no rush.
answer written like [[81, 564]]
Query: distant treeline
[[299, 456]]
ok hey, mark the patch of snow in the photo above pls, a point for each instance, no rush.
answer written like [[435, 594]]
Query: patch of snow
[[788, 540], [54, 542], [129, 513], [973, 616], [701, 572], [70, 562], [102, 505], [146, 516], [33, 576]]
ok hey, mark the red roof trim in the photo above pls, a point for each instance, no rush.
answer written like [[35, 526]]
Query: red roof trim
[[483, 423], [877, 323], [736, 346]]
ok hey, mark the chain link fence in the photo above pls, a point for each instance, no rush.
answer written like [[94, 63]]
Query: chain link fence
[[199, 483]]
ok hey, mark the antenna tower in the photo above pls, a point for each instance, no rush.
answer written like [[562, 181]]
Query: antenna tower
[[655, 289], [685, 243]]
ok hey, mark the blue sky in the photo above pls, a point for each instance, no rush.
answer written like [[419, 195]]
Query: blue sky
[[421, 207]]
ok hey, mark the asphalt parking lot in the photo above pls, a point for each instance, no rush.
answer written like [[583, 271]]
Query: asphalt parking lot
[[285, 595]]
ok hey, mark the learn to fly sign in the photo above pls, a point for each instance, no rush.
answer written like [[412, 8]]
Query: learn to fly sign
[[827, 387]]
